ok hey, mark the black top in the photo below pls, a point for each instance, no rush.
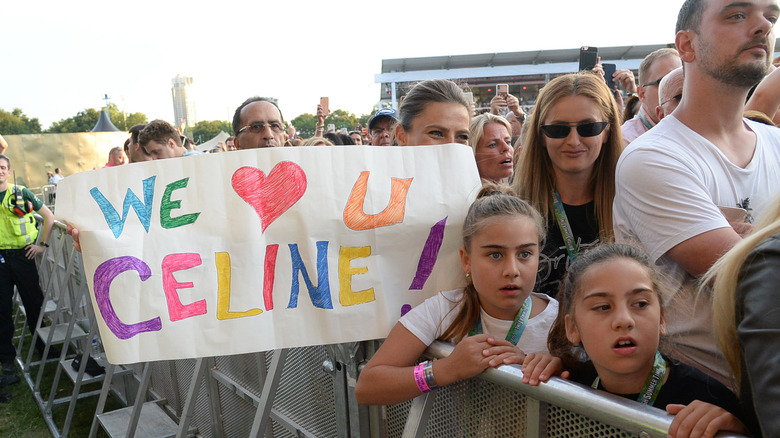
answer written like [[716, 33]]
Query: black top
[[758, 331], [684, 385], [554, 260]]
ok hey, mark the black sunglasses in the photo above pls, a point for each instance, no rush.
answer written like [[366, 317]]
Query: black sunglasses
[[591, 129]]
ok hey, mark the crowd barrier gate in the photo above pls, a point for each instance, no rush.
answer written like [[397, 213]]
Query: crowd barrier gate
[[309, 392]]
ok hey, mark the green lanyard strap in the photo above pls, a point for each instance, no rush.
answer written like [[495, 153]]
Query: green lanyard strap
[[653, 383], [565, 227], [518, 326]]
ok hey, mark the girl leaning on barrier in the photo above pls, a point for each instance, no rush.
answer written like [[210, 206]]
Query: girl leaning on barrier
[[494, 320], [608, 334]]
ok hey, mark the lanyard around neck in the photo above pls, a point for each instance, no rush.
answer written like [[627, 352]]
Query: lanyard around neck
[[564, 226], [518, 325], [644, 120], [653, 383]]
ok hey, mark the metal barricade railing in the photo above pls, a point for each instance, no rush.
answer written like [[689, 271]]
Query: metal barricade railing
[[309, 392], [558, 408]]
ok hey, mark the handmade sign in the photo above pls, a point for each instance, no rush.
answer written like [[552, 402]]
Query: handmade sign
[[248, 251]]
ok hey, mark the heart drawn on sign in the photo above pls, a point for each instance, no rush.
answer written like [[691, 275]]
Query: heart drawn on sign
[[270, 195]]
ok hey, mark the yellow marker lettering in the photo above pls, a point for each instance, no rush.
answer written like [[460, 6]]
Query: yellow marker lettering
[[348, 297], [223, 293]]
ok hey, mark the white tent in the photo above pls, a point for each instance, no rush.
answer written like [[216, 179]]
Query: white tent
[[206, 146]]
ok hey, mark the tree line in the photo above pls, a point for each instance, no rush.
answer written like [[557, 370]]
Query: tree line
[[16, 122]]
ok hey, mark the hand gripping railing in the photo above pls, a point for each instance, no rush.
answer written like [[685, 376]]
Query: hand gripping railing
[[627, 415]]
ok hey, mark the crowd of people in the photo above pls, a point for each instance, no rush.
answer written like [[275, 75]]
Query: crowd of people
[[620, 222], [597, 244]]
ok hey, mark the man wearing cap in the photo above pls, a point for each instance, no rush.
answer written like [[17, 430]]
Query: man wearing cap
[[380, 126], [19, 245]]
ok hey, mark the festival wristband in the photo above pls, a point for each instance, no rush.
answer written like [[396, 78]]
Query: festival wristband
[[419, 378], [428, 373]]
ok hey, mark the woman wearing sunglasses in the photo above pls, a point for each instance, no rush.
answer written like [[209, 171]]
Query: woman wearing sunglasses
[[567, 169]]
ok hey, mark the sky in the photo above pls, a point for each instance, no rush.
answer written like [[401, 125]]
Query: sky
[[59, 58]]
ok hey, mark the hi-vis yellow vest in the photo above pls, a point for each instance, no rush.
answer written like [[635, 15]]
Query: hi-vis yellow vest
[[15, 232]]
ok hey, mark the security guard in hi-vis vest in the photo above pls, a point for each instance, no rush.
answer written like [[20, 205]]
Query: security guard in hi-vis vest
[[19, 245]]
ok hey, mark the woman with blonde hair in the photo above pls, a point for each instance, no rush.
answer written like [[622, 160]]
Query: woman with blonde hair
[[746, 311], [489, 136], [567, 169], [317, 141]]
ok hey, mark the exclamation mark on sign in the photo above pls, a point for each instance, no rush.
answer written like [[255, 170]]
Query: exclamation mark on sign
[[429, 254]]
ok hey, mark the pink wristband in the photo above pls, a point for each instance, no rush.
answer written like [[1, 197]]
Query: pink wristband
[[419, 378]]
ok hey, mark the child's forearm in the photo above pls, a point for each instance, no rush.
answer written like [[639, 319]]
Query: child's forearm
[[387, 384]]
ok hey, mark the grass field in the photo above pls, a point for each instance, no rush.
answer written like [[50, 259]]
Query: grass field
[[22, 418]]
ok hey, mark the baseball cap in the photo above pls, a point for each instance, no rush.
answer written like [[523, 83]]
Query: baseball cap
[[384, 112]]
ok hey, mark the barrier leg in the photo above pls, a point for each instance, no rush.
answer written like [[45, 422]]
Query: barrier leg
[[262, 417]]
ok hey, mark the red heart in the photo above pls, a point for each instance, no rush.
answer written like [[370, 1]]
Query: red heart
[[273, 195]]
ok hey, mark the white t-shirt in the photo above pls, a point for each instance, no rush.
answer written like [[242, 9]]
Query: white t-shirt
[[435, 315], [56, 178], [670, 182]]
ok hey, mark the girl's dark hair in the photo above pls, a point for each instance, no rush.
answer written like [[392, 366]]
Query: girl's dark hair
[[557, 341], [333, 138], [632, 106], [346, 139], [493, 200]]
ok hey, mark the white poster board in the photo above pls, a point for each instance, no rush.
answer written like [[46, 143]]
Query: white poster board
[[248, 251]]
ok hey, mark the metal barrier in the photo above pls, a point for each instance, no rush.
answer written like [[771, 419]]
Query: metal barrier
[[309, 392]]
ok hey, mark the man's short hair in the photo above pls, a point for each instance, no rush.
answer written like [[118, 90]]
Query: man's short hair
[[7, 160], [237, 114], [232, 138], [159, 131], [135, 130], [115, 151], [644, 67], [56, 170], [689, 17]]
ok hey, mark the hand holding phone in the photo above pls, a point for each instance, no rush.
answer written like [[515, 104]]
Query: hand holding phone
[[325, 102], [588, 57], [609, 73], [498, 104]]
